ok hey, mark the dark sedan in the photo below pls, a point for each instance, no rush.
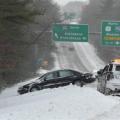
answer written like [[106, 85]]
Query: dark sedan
[[54, 79]]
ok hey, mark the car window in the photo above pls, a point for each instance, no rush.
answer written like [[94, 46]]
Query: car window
[[51, 76], [117, 68], [65, 73]]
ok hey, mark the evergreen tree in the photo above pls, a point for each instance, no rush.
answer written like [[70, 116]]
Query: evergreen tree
[[13, 15], [21, 49]]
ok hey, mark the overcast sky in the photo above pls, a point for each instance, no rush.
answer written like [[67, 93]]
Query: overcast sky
[[63, 2]]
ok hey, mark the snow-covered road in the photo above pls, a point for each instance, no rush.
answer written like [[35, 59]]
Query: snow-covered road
[[64, 103], [82, 57]]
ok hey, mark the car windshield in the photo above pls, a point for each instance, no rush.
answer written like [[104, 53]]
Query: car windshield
[[41, 78], [118, 68]]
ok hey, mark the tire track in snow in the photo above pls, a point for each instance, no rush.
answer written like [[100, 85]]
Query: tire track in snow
[[81, 56], [69, 58], [74, 60], [60, 57], [88, 56]]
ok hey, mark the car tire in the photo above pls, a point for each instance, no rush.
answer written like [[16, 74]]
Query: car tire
[[35, 88], [107, 91], [79, 83]]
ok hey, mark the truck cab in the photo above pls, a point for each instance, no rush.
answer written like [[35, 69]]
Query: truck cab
[[109, 78]]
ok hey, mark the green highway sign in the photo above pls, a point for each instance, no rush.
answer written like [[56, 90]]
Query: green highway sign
[[111, 33], [70, 32]]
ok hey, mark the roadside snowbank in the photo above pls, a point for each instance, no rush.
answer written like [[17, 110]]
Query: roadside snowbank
[[65, 103]]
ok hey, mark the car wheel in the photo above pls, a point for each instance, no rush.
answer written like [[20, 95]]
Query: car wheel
[[34, 88], [107, 91], [79, 83]]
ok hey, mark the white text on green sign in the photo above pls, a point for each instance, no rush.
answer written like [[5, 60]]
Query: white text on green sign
[[111, 33], [70, 32]]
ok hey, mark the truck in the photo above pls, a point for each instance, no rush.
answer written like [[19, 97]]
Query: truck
[[108, 78]]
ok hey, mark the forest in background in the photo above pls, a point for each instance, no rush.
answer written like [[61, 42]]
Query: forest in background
[[25, 44]]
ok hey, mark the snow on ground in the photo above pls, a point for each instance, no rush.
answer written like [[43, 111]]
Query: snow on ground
[[88, 57], [64, 103], [42, 71], [113, 114], [12, 91], [56, 63]]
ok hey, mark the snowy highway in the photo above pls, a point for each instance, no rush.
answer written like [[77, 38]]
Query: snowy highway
[[60, 60], [79, 56], [68, 57], [64, 103]]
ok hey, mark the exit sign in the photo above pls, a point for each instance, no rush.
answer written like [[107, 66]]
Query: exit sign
[[111, 33], [70, 32]]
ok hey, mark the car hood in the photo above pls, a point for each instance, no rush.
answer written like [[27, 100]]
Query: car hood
[[29, 84]]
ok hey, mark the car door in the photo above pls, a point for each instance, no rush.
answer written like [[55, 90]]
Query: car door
[[65, 77], [102, 79], [50, 80]]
